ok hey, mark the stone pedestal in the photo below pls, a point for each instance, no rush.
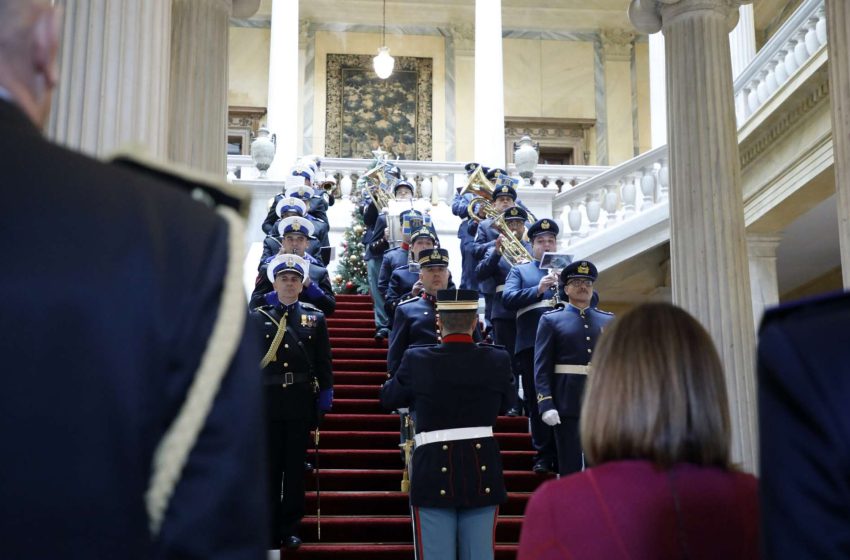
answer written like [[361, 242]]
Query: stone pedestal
[[198, 85], [709, 266], [489, 85], [838, 31], [763, 279], [617, 45], [114, 76], [284, 81]]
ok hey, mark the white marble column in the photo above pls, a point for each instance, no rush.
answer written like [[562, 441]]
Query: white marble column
[[617, 45], [742, 40], [198, 91], [489, 85], [838, 31], [764, 283], [657, 90], [284, 85], [114, 74], [709, 267]]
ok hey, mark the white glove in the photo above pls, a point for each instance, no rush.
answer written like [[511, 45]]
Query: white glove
[[551, 417]]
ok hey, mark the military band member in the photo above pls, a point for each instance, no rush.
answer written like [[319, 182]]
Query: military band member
[[563, 351], [376, 244], [286, 207], [415, 320], [458, 388], [494, 268], [321, 228], [297, 361], [404, 283], [318, 291], [466, 232], [398, 256], [529, 291]]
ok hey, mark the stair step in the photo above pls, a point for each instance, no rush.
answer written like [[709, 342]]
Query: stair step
[[357, 406], [357, 392], [375, 378], [347, 331], [338, 342], [351, 364], [371, 551], [390, 503], [334, 322], [376, 353], [387, 421], [390, 439], [389, 529], [354, 298], [346, 313], [355, 305]]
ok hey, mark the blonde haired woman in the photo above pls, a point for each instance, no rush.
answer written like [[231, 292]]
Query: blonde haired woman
[[655, 428]]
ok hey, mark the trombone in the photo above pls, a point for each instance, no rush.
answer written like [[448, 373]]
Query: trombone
[[377, 182]]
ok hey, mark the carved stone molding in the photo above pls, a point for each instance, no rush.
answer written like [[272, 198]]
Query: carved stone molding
[[647, 15], [617, 44], [550, 133], [805, 101], [305, 32], [463, 36]]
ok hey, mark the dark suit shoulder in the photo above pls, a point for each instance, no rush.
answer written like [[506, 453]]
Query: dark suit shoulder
[[489, 346], [409, 300], [837, 302], [311, 308]]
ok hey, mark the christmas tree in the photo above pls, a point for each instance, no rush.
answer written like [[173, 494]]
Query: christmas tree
[[351, 276]]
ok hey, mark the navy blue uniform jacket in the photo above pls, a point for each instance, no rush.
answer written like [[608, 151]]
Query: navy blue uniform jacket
[[103, 329], [521, 291], [320, 292], [565, 336], [804, 394], [496, 268], [454, 385], [393, 258]]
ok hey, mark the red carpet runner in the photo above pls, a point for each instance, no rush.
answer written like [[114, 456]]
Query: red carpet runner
[[364, 514]]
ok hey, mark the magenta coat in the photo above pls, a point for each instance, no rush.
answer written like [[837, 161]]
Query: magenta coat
[[628, 510]]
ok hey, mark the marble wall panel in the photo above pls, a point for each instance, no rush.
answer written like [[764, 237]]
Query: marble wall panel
[[567, 79], [522, 77], [248, 83], [465, 107]]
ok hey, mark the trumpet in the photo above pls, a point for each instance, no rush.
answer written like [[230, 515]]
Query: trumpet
[[512, 248]]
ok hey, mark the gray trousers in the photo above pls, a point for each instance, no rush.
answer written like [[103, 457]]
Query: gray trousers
[[373, 270], [455, 533]]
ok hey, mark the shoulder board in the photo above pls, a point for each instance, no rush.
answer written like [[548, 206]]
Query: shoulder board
[[408, 300], [310, 307], [489, 345], [553, 310], [400, 267], [206, 188], [603, 312], [266, 310], [391, 249]]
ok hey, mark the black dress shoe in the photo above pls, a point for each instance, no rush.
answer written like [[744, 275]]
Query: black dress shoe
[[308, 466], [542, 466], [291, 542], [512, 412], [381, 334]]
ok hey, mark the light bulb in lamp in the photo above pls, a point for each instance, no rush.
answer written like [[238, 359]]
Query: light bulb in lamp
[[383, 63]]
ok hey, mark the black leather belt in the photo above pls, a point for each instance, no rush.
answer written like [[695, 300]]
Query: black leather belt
[[288, 378]]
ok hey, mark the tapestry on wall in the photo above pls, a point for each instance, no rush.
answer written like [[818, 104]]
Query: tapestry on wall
[[365, 112]]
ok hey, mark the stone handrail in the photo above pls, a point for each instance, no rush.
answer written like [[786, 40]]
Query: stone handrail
[[612, 196], [436, 180], [799, 39]]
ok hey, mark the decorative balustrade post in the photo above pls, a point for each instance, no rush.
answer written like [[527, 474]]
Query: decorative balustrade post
[[346, 184], [592, 206], [426, 187], [574, 221], [647, 187], [791, 58], [709, 267], [629, 194], [611, 201], [780, 73], [663, 181]]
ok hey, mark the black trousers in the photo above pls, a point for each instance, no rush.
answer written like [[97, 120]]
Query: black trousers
[[504, 334], [287, 450], [568, 444], [542, 436]]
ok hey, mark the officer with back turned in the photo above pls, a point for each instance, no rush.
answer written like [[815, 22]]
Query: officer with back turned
[[562, 353], [457, 388], [298, 388]]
